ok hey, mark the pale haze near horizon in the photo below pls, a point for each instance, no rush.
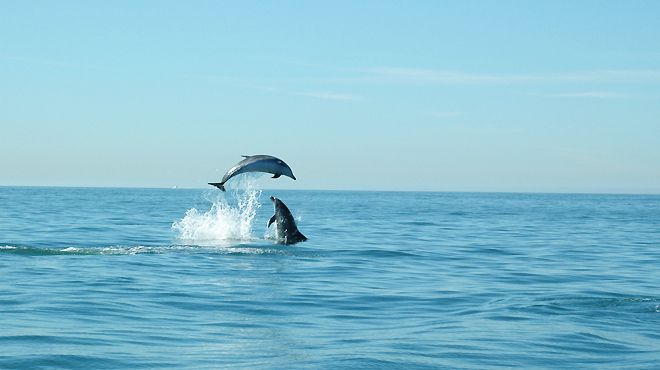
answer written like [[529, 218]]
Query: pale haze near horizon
[[545, 96]]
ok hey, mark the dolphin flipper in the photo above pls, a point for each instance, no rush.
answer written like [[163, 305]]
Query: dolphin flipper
[[272, 219]]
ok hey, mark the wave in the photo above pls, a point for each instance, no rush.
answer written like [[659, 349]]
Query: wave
[[591, 304], [223, 223], [110, 250], [235, 249]]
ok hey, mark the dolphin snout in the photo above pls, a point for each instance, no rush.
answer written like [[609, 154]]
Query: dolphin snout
[[272, 198], [293, 177]]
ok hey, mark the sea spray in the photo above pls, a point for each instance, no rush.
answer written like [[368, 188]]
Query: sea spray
[[223, 221]]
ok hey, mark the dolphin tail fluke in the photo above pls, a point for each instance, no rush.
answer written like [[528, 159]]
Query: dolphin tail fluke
[[299, 237], [218, 185]]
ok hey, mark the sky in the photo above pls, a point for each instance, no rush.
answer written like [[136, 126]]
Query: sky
[[512, 96]]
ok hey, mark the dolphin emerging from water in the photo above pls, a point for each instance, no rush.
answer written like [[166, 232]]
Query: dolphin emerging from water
[[256, 163], [287, 231]]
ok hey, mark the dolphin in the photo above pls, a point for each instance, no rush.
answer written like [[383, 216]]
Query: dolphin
[[287, 231], [256, 163]]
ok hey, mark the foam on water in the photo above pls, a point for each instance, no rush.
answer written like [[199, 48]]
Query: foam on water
[[238, 248], [83, 251], [223, 222]]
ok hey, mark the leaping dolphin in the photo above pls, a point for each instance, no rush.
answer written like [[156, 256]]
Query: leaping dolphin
[[256, 163], [287, 231]]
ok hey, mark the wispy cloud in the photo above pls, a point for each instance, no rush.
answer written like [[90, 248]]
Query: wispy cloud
[[590, 94], [249, 84], [329, 95], [418, 75], [616, 76], [237, 82], [448, 114], [432, 75], [51, 63]]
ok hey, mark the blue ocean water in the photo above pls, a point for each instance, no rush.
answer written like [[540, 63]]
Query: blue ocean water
[[191, 279]]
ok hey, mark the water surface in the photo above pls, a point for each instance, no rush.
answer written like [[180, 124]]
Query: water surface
[[192, 279]]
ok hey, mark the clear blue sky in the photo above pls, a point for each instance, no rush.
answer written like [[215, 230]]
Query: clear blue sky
[[556, 96]]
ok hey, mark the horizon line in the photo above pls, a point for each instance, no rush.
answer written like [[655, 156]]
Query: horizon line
[[539, 192]]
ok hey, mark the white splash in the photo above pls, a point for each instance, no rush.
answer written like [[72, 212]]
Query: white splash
[[223, 222]]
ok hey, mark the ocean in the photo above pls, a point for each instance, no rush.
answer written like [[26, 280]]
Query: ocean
[[118, 278]]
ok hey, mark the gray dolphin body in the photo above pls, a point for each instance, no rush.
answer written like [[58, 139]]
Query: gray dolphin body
[[287, 231], [256, 163]]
